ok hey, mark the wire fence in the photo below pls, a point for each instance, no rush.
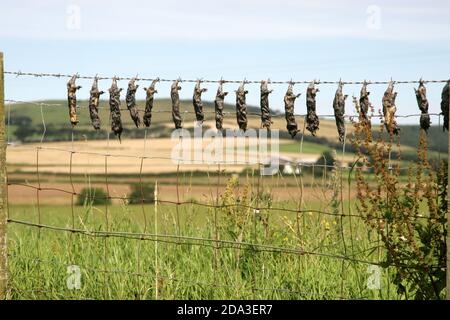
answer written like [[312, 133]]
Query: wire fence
[[230, 244], [137, 78]]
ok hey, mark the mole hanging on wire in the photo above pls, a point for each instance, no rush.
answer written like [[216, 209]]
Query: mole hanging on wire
[[266, 119], [445, 104], [94, 101], [339, 111], [241, 107], [197, 102], [114, 108], [150, 92], [422, 102], [364, 105], [219, 104], [363, 122], [176, 104], [312, 120], [72, 99], [358, 109], [289, 101], [389, 109], [130, 99]]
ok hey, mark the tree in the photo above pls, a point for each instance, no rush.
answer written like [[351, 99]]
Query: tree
[[23, 132], [325, 162], [93, 196], [141, 193]]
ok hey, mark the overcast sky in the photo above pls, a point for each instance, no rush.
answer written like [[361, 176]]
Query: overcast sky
[[257, 39]]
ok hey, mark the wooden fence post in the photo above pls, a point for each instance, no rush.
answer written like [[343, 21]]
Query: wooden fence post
[[156, 243], [448, 215], [3, 190]]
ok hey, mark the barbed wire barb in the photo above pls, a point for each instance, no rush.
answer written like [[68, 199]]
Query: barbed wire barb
[[59, 75]]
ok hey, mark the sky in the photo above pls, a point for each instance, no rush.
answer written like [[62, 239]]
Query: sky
[[234, 39]]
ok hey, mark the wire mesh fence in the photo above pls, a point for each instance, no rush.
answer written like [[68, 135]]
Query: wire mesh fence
[[103, 219]]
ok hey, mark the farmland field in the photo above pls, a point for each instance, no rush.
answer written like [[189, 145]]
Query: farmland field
[[220, 232]]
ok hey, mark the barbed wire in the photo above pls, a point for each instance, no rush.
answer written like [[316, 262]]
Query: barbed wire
[[61, 75]]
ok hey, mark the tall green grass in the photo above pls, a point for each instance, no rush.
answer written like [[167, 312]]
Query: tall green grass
[[121, 268]]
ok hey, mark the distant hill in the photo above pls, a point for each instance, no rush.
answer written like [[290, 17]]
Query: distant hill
[[26, 123], [26, 118]]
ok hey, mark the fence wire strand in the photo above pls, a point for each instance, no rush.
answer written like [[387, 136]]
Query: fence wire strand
[[179, 239], [61, 75]]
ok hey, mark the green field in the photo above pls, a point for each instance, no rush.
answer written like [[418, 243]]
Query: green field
[[307, 147], [121, 268]]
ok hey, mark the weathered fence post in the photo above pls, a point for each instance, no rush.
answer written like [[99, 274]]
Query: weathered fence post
[[156, 242], [448, 215], [3, 202]]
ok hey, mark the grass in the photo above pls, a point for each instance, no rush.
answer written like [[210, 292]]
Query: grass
[[120, 268]]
